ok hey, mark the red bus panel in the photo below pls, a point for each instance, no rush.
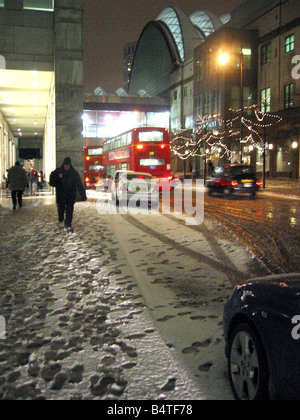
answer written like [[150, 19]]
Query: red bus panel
[[144, 149], [93, 166]]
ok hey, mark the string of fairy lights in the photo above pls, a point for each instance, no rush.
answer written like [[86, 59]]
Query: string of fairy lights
[[214, 135]]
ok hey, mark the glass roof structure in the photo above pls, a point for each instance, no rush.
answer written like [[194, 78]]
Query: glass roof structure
[[206, 22], [171, 19], [225, 18], [165, 44]]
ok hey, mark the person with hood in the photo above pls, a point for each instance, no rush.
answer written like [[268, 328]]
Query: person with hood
[[67, 181], [17, 181]]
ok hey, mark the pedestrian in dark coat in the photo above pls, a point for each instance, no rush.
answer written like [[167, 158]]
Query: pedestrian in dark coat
[[17, 181], [67, 181]]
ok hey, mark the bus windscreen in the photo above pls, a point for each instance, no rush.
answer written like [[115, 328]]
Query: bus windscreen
[[151, 136], [95, 152]]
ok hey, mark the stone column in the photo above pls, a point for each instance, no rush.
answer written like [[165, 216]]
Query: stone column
[[68, 61]]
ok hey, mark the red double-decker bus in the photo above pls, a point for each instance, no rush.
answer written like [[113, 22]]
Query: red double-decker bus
[[93, 166], [143, 149]]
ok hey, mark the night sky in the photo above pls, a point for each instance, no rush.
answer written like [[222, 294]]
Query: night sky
[[111, 24]]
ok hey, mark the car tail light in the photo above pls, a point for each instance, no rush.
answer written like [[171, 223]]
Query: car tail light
[[140, 147], [87, 179], [223, 183], [259, 183], [234, 183], [162, 146], [170, 178]]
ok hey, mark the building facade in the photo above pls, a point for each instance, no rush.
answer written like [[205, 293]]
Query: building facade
[[42, 44], [262, 39], [269, 30], [278, 26]]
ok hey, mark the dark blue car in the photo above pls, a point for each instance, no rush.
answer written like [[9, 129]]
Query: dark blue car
[[262, 333]]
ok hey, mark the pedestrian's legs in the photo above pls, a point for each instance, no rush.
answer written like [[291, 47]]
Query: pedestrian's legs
[[69, 213], [61, 206], [20, 197], [14, 199]]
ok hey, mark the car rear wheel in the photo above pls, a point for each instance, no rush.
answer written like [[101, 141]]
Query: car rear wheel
[[247, 364]]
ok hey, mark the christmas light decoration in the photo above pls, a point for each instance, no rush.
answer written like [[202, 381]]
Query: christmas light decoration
[[214, 135]]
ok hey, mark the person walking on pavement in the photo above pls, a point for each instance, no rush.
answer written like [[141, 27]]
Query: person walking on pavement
[[17, 181], [67, 181]]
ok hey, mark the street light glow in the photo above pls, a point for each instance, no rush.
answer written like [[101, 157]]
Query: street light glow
[[223, 59]]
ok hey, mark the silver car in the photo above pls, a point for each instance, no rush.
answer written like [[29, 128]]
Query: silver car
[[134, 189]]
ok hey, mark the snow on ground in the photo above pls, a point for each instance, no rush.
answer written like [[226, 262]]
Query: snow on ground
[[110, 311], [186, 297]]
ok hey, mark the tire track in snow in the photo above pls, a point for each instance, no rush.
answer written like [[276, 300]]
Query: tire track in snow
[[233, 274]]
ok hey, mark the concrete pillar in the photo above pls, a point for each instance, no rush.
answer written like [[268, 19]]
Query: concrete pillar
[[68, 58]]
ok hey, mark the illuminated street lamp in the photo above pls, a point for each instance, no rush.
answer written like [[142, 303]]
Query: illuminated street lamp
[[224, 60]]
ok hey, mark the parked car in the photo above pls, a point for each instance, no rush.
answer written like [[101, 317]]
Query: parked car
[[262, 334], [233, 179], [129, 184]]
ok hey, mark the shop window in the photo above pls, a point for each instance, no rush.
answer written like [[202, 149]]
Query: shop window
[[289, 96], [266, 53], [45, 5], [265, 98], [290, 43]]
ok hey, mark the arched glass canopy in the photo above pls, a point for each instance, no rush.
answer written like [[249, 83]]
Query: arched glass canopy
[[207, 23], [170, 18]]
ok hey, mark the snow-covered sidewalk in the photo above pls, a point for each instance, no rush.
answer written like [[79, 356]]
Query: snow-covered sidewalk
[[77, 326]]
